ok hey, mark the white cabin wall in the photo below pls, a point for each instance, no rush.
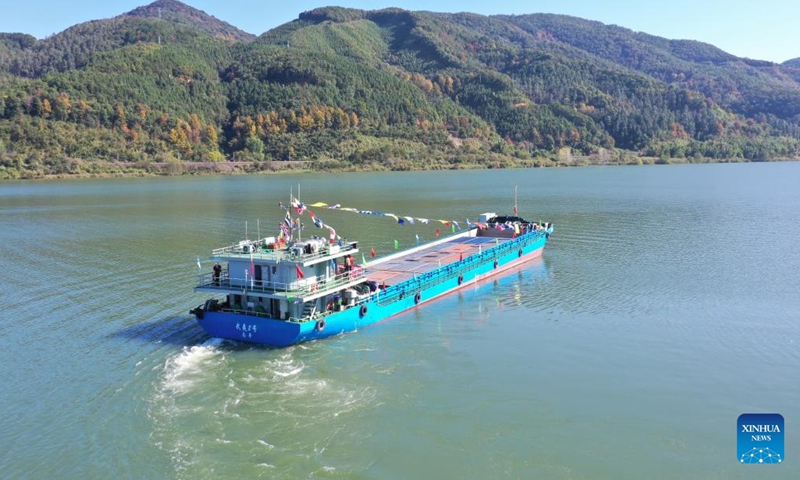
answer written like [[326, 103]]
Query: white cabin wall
[[237, 271]]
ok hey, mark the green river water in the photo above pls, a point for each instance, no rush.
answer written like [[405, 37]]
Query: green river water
[[666, 304]]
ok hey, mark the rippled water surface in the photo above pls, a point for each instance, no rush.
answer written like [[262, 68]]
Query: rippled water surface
[[666, 304]]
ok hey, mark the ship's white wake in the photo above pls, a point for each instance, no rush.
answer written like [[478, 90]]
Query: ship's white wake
[[258, 408], [184, 371]]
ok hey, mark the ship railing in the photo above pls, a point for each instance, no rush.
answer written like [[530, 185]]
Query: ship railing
[[260, 250], [447, 272], [333, 283], [246, 247], [311, 318], [324, 313], [300, 287], [324, 252], [438, 275]]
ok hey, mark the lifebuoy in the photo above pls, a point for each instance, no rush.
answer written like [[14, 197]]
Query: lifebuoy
[[519, 253], [363, 311], [460, 279], [417, 298], [321, 324], [496, 264]]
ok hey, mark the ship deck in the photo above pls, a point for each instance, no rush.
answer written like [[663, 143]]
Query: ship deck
[[399, 268]]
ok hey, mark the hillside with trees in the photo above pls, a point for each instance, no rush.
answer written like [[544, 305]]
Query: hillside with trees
[[167, 87]]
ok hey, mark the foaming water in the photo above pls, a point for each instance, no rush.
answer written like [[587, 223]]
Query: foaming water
[[183, 373], [664, 306], [255, 400]]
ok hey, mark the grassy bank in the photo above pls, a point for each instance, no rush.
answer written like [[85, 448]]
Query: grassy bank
[[12, 169]]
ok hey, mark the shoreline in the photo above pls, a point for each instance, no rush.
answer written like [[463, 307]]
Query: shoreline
[[171, 169]]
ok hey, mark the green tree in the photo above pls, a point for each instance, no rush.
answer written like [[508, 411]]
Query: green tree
[[255, 146]]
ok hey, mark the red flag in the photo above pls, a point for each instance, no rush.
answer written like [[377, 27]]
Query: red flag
[[438, 232], [515, 209], [461, 256], [299, 272], [372, 253]]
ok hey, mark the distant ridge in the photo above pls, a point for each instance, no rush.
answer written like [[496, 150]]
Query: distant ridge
[[73, 48], [181, 14]]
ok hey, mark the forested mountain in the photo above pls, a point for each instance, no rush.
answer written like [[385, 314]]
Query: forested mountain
[[346, 88], [178, 13]]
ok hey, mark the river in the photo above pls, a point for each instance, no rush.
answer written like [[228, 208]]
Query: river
[[666, 304]]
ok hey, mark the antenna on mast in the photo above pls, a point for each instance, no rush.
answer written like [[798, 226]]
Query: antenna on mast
[[515, 200]]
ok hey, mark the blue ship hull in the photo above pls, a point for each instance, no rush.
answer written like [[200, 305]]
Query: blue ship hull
[[382, 304]]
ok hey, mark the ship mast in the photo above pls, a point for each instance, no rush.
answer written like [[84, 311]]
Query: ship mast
[[299, 222], [289, 213], [515, 199]]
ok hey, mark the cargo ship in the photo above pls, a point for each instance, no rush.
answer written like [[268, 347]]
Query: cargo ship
[[285, 290]]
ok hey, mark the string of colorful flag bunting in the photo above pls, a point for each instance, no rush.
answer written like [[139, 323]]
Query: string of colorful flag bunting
[[289, 224], [400, 219], [301, 208]]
